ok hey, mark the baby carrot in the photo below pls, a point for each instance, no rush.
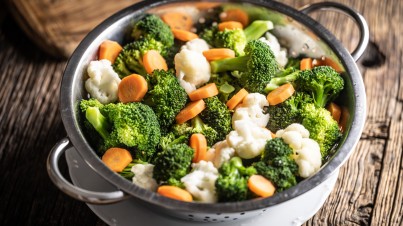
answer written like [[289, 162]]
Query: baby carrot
[[109, 50], [206, 91], [190, 111], [235, 15], [218, 54], [335, 111], [306, 64], [174, 192], [153, 60], [261, 186], [199, 143], [230, 25], [184, 35], [132, 88], [178, 20], [280, 94], [117, 159], [236, 99]]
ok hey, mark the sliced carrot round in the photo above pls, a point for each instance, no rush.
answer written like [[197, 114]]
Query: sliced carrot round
[[203, 92], [184, 35], [305, 64], [229, 25], [261, 186], [178, 20], [153, 60], [218, 54], [190, 111], [132, 88], [236, 99], [235, 15], [280, 94], [109, 50], [117, 159], [335, 111], [175, 193], [198, 142]]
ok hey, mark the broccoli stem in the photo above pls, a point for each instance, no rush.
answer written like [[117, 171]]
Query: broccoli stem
[[98, 121], [230, 64], [278, 81], [257, 28]]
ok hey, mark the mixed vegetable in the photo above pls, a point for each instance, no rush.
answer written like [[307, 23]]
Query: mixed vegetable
[[210, 110]]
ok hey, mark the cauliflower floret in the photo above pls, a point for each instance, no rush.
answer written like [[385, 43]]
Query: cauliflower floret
[[251, 109], [201, 182], [192, 69], [143, 176], [220, 152], [248, 139], [197, 44], [306, 151], [103, 81], [279, 53]]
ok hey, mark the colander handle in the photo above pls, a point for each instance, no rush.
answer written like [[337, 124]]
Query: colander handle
[[357, 17], [74, 191]]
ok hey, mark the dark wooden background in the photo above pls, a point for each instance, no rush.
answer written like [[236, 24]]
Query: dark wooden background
[[369, 190]]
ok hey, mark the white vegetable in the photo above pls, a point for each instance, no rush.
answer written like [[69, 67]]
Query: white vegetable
[[248, 139], [279, 53], [103, 81], [143, 176], [251, 109], [221, 152], [306, 151], [197, 44], [201, 182], [192, 69]]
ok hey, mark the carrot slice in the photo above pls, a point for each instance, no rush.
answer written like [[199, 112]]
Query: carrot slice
[[175, 193], [132, 88], [153, 60], [236, 99], [326, 61], [345, 116], [235, 15], [335, 111], [199, 143], [261, 186], [306, 64], [109, 50], [190, 111], [230, 25], [206, 91], [117, 159], [178, 20], [184, 35], [218, 54], [280, 94]]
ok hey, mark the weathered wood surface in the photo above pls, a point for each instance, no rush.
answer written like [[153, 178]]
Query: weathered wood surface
[[369, 190]]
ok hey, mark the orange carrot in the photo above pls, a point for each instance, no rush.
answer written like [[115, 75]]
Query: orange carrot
[[236, 99], [132, 88], [184, 35], [190, 111], [218, 53], [153, 60], [117, 159], [261, 186], [206, 91], [280, 94], [306, 64], [230, 25], [175, 193], [235, 15], [345, 116], [326, 61], [335, 111], [273, 135], [109, 50], [178, 20], [199, 143]]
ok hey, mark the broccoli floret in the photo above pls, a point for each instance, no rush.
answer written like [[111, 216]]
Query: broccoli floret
[[227, 85], [173, 160], [231, 184], [322, 128], [217, 115], [256, 68], [132, 125], [200, 127], [287, 112], [277, 164], [152, 27], [165, 96], [323, 83]]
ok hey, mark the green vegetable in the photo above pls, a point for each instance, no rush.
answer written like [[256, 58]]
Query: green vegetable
[[288, 75], [227, 85], [277, 164], [152, 27], [231, 184]]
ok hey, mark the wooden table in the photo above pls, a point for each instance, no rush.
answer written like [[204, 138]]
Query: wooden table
[[369, 190]]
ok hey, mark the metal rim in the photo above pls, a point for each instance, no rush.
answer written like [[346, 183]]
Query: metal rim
[[67, 106]]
